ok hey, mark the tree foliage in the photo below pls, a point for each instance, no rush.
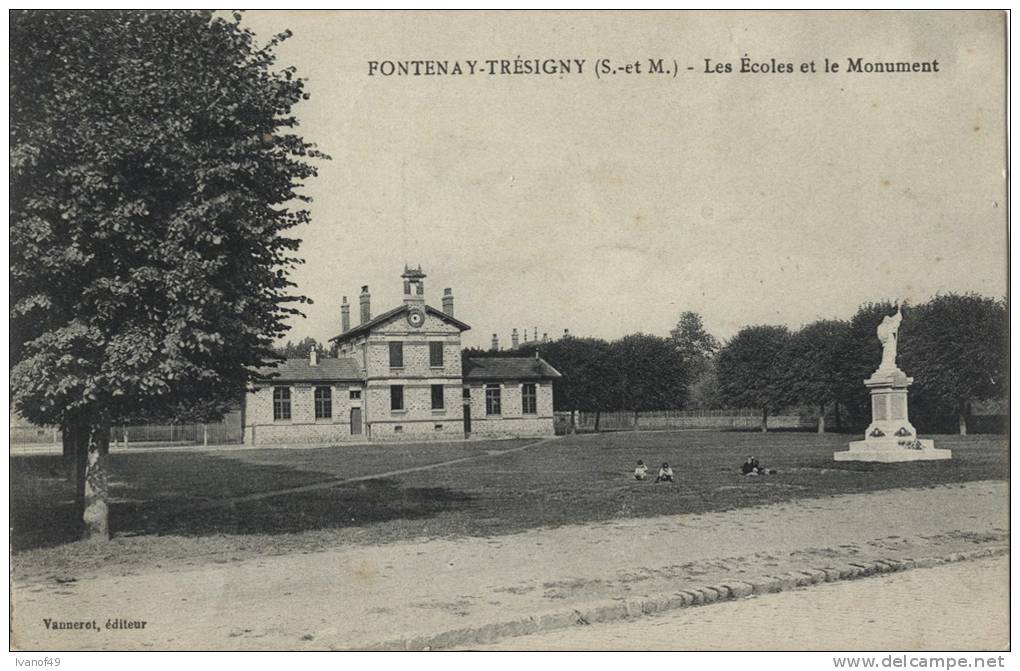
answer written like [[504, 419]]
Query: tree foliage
[[751, 369], [636, 372], [957, 351], [301, 349], [818, 363], [696, 346], [650, 373], [154, 174]]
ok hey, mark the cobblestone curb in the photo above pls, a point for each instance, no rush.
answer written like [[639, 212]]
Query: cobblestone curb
[[634, 608]]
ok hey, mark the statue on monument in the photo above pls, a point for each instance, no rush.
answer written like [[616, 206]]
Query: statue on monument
[[888, 331], [890, 436]]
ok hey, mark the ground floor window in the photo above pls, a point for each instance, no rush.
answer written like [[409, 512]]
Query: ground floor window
[[323, 403], [396, 397], [492, 400], [529, 401], [437, 397], [281, 403]]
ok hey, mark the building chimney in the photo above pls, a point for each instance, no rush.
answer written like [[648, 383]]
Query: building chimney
[[525, 336], [495, 342], [345, 316], [366, 306], [448, 301], [535, 333], [313, 357], [545, 337], [566, 333], [514, 341]]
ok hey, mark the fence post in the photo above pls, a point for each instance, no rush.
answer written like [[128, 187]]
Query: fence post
[[205, 435], [125, 437]]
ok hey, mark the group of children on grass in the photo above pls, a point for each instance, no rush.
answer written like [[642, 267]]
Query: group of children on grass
[[751, 467], [665, 473]]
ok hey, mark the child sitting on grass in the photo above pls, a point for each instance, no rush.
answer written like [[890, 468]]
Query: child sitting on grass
[[641, 472], [665, 473]]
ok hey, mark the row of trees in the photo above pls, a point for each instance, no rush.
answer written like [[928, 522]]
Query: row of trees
[[956, 347], [636, 372]]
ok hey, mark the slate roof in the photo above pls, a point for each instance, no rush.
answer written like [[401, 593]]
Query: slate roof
[[386, 316], [300, 370], [509, 368]]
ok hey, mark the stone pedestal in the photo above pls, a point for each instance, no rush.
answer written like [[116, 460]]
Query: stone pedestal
[[890, 436]]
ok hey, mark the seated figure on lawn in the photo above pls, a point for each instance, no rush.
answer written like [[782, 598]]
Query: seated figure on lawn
[[641, 472], [665, 473]]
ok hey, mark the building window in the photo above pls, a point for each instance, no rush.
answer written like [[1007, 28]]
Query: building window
[[398, 429], [466, 393], [355, 394], [437, 397], [396, 397], [281, 403], [529, 402], [436, 354], [396, 355], [323, 403], [492, 400]]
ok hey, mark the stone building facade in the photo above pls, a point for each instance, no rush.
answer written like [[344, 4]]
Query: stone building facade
[[398, 376]]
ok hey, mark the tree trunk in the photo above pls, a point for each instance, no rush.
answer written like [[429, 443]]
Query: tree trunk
[[821, 418], [597, 417], [573, 421], [75, 444], [70, 453], [764, 420], [963, 424], [95, 488], [839, 419]]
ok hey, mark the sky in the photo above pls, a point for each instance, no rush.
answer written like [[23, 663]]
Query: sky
[[609, 205]]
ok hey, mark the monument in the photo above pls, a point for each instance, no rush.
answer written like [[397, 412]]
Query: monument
[[890, 436]]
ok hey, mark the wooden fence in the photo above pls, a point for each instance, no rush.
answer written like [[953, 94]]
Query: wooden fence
[[628, 420], [225, 432]]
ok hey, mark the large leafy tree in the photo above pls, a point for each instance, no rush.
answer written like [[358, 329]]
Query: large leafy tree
[[818, 365], [751, 370], [957, 351], [154, 168], [696, 346], [650, 373]]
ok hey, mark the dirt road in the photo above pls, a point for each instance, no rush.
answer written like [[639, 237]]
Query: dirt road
[[365, 596]]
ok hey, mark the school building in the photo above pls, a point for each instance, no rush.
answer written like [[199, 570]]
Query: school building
[[398, 376]]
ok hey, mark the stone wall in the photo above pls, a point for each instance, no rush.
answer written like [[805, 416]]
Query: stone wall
[[261, 429], [417, 418], [512, 427], [512, 421]]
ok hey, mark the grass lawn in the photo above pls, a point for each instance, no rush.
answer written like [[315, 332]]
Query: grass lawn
[[159, 512]]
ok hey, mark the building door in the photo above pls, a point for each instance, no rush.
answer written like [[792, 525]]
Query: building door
[[467, 421], [355, 421]]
